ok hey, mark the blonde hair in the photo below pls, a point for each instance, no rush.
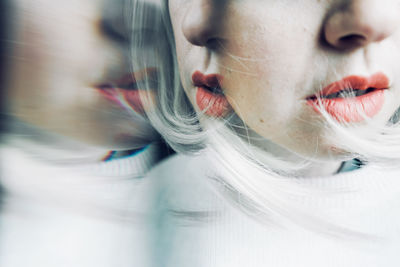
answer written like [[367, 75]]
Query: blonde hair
[[257, 181]]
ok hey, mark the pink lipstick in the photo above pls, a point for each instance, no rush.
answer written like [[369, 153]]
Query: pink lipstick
[[352, 98], [209, 96], [126, 89]]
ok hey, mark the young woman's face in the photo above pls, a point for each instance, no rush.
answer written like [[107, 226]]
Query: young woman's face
[[272, 58], [65, 55]]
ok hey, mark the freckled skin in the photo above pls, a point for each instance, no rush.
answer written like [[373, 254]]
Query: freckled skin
[[272, 60]]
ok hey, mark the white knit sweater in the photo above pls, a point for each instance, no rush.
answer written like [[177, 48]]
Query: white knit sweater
[[198, 227], [81, 215]]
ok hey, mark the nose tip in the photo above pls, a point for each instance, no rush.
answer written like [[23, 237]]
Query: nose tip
[[202, 23], [361, 23], [197, 30]]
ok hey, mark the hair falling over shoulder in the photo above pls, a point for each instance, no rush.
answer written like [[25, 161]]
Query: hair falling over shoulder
[[257, 180]]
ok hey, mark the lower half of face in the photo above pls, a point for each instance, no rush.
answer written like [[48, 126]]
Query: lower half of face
[[278, 76], [287, 110], [68, 78], [96, 114]]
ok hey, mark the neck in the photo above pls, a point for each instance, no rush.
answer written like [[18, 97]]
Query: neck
[[310, 167]]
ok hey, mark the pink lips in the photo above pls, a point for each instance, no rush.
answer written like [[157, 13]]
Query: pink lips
[[209, 95], [126, 89], [352, 98]]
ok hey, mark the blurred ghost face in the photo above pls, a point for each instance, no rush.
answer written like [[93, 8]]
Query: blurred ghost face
[[269, 60], [68, 57]]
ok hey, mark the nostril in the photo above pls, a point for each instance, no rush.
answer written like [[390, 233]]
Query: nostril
[[351, 41], [358, 23], [352, 38], [213, 43]]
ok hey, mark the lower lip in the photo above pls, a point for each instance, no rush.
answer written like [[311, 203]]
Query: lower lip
[[212, 104], [122, 97], [351, 109]]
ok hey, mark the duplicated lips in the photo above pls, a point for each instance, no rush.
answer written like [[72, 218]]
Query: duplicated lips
[[209, 95], [127, 88], [352, 98]]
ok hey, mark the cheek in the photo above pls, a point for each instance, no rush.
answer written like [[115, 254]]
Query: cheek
[[263, 106], [261, 92], [53, 60], [267, 74]]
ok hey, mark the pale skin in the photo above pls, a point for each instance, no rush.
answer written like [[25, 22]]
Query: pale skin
[[273, 54], [61, 52]]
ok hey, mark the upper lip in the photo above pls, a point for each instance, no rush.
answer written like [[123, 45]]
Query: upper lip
[[210, 81], [354, 83]]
